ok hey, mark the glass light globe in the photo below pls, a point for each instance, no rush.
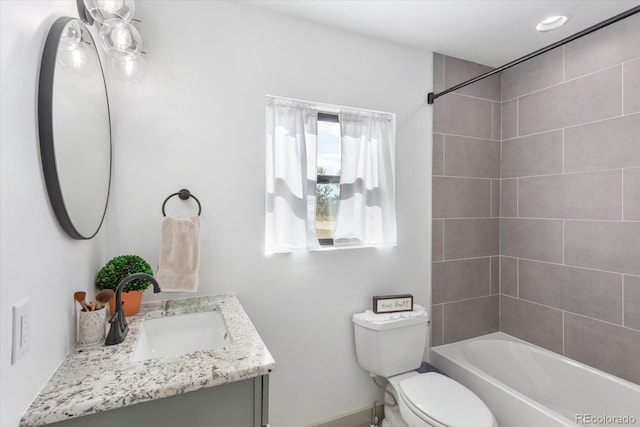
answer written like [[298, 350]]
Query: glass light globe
[[103, 10], [128, 67], [71, 36], [79, 61], [117, 35]]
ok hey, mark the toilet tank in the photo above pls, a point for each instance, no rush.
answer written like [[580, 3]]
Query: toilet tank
[[386, 346]]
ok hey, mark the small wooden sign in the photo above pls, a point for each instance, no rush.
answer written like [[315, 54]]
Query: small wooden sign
[[392, 303]]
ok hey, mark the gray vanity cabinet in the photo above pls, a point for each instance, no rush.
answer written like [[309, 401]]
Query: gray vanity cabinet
[[238, 404]]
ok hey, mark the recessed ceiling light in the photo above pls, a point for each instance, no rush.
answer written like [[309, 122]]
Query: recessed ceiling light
[[552, 22]]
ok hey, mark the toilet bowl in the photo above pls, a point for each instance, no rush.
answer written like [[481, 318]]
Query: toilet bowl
[[392, 346]]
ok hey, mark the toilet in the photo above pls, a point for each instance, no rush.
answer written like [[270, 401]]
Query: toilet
[[391, 346]]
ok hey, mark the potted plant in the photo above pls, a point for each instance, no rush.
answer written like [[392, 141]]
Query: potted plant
[[116, 269]]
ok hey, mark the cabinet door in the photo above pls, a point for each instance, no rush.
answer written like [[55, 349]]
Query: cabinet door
[[238, 404]]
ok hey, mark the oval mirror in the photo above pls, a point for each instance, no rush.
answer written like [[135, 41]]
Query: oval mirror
[[75, 129]]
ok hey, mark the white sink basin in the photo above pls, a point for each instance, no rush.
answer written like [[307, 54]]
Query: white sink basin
[[179, 334]]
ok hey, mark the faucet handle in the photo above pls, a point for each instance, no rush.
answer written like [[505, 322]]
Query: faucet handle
[[114, 318]]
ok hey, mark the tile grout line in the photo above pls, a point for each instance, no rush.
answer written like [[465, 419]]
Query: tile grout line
[[443, 240], [566, 81], [623, 320], [565, 127], [464, 259], [563, 332], [490, 275], [561, 173], [471, 299], [518, 278], [568, 265], [595, 319], [629, 221]]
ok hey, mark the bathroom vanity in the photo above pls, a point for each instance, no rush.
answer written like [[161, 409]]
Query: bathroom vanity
[[223, 386]]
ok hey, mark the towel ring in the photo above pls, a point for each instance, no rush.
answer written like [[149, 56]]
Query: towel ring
[[184, 194]]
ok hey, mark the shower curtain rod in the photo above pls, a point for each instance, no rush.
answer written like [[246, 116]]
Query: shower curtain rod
[[431, 96]]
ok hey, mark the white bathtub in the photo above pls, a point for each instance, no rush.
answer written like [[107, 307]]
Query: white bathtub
[[527, 386]]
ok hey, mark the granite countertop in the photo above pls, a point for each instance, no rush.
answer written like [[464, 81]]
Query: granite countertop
[[100, 378]]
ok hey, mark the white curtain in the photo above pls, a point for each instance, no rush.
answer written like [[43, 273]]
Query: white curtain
[[367, 213], [291, 176]]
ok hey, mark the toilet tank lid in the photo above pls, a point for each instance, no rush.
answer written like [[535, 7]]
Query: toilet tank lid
[[383, 321]]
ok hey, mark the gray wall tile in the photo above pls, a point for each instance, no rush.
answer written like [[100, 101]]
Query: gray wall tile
[[471, 157], [458, 70], [456, 280], [593, 97], [536, 239], [437, 239], [590, 195], [611, 45], [604, 245], [539, 154], [537, 73], [509, 198], [470, 318], [588, 292], [509, 276], [608, 144], [461, 197], [531, 322], [470, 238], [436, 325], [608, 347], [495, 198], [438, 154], [495, 275], [438, 72], [496, 132], [632, 194], [462, 115], [632, 302], [632, 87], [510, 119]]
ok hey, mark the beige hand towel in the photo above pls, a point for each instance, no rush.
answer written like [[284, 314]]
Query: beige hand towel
[[179, 254]]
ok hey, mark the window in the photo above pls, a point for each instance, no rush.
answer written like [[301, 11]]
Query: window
[[330, 177]]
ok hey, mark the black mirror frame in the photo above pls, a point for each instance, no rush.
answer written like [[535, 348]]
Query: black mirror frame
[[45, 129]]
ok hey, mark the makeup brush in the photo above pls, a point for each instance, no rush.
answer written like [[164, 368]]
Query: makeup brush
[[80, 297], [103, 298]]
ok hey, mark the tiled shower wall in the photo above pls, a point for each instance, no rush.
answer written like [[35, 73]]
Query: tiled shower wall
[[570, 205], [466, 203], [566, 220]]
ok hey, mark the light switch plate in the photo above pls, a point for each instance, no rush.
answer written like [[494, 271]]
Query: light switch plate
[[21, 329]]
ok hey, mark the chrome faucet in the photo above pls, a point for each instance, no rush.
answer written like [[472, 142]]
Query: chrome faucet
[[119, 327]]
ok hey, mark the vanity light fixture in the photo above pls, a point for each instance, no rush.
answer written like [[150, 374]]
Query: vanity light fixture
[[119, 38], [552, 22]]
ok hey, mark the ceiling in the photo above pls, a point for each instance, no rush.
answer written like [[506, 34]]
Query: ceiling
[[488, 32]]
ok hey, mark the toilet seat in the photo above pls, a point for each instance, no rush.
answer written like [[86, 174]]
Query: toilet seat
[[439, 400]]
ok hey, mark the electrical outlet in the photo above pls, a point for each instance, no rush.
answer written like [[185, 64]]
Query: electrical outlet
[[21, 329]]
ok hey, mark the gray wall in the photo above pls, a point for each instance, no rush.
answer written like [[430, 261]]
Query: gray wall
[[466, 206], [570, 227], [569, 201]]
